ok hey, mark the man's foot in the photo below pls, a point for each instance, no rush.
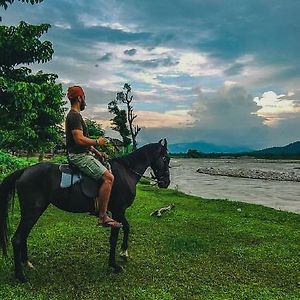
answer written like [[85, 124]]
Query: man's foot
[[106, 221]]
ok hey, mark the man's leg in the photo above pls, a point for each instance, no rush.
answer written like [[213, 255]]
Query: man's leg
[[103, 199]]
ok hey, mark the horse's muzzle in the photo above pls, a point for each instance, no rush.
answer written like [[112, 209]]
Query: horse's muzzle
[[163, 183]]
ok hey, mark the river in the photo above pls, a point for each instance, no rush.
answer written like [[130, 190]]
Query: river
[[281, 195]]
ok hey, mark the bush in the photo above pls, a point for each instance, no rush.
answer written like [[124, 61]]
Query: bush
[[10, 163]]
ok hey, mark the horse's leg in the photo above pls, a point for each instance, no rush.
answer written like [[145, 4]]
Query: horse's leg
[[112, 253], [24, 255], [113, 243], [124, 248], [19, 240]]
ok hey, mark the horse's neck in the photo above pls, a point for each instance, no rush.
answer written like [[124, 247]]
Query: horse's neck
[[138, 161]]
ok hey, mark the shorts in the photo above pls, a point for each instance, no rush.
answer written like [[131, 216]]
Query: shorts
[[87, 164]]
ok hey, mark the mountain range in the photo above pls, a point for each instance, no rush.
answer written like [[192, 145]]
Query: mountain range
[[205, 148], [290, 149]]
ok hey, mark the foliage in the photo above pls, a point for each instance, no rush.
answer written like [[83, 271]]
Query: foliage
[[33, 114], [94, 129], [126, 98], [21, 45], [194, 154], [5, 3], [202, 249], [9, 163], [31, 106], [119, 122]]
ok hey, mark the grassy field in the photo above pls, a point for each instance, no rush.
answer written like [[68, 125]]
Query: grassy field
[[202, 249]]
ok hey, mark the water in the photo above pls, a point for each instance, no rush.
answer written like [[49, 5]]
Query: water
[[283, 195]]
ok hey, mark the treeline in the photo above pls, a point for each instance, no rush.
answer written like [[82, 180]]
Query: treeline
[[192, 153]]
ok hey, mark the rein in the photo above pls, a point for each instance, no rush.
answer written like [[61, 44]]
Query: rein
[[152, 178]]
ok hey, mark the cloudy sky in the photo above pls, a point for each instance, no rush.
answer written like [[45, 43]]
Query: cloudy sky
[[224, 72]]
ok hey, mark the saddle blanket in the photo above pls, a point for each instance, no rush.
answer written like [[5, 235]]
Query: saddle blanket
[[67, 180], [86, 185]]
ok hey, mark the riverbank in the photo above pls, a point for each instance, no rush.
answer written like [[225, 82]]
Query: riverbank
[[278, 194], [201, 249]]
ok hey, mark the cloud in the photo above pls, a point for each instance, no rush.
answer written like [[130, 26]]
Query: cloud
[[130, 52], [226, 115], [235, 69], [106, 57], [153, 63], [276, 108], [231, 54]]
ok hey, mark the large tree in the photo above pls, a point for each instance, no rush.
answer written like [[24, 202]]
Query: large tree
[[124, 118], [119, 122], [31, 105], [126, 97]]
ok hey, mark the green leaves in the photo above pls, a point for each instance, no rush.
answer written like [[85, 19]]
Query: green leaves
[[31, 105], [35, 112], [5, 3], [21, 45]]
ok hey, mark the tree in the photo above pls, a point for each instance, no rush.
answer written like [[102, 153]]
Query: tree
[[94, 129], [119, 122], [31, 105], [192, 153], [126, 98]]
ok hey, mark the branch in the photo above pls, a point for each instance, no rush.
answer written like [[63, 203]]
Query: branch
[[159, 212]]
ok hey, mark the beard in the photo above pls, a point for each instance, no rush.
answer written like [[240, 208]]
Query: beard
[[82, 105]]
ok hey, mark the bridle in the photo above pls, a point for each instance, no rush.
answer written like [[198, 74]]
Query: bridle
[[153, 177]]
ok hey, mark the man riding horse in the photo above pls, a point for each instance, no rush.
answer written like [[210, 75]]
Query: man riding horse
[[79, 148]]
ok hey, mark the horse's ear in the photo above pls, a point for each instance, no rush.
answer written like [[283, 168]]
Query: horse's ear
[[163, 142], [166, 143]]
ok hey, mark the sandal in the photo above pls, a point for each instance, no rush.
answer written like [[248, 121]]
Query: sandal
[[110, 223]]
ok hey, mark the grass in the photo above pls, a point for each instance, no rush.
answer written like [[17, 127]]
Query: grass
[[202, 249]]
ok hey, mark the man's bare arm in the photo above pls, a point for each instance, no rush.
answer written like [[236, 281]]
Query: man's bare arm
[[84, 141]]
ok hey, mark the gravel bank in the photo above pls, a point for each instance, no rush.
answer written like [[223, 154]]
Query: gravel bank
[[253, 174]]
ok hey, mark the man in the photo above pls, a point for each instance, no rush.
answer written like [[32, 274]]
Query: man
[[80, 146]]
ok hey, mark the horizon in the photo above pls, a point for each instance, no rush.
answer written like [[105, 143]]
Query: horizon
[[198, 70]]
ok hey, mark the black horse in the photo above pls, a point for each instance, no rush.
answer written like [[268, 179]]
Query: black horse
[[39, 185]]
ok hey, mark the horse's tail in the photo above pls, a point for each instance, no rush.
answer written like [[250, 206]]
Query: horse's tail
[[7, 188]]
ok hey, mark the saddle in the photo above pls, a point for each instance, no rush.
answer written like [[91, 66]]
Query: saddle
[[71, 176]]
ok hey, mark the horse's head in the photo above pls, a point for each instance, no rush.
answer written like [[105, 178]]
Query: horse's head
[[160, 165]]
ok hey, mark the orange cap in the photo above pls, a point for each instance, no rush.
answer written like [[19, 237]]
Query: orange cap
[[74, 92]]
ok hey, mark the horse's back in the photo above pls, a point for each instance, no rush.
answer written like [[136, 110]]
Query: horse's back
[[44, 175]]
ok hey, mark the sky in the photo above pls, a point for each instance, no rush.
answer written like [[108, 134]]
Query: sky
[[223, 72]]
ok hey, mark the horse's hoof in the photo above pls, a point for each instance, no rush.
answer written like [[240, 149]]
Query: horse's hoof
[[124, 258], [21, 278], [124, 255], [118, 269]]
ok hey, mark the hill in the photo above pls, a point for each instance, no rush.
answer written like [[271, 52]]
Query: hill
[[206, 148], [290, 149]]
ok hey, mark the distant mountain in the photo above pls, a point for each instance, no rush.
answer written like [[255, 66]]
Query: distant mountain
[[205, 148], [290, 149]]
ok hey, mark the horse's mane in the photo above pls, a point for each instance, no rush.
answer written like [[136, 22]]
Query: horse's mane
[[142, 153]]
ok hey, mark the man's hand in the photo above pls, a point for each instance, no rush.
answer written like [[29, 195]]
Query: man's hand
[[101, 141], [103, 155]]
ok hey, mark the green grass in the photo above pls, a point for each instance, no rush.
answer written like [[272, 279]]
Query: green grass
[[202, 249]]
